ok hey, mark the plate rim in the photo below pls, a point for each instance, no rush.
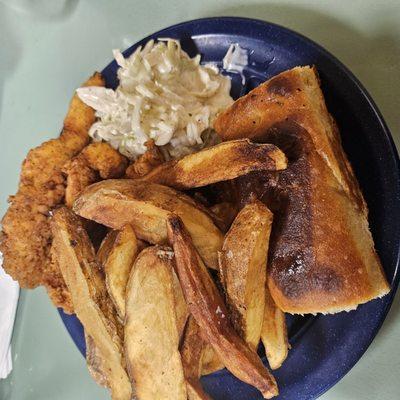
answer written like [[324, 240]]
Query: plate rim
[[70, 321]]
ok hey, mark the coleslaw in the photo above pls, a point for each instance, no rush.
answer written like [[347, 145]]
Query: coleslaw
[[163, 95]]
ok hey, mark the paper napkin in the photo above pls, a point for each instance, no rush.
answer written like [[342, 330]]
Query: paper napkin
[[9, 293]]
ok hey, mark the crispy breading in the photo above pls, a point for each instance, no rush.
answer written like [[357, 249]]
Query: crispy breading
[[95, 161], [107, 161], [79, 175], [146, 162], [26, 237]]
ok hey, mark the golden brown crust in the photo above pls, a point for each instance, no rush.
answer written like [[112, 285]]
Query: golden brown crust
[[56, 287], [208, 309], [192, 355], [211, 361], [243, 266], [92, 305], [101, 157], [145, 206], [79, 175], [26, 237], [221, 162], [95, 161], [80, 117], [146, 162], [322, 252], [151, 329], [95, 362], [225, 212], [274, 333], [295, 95]]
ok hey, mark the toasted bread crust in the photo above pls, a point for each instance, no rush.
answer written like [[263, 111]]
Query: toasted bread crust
[[322, 253]]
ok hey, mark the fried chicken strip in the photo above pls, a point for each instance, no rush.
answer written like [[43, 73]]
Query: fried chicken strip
[[107, 161], [146, 162], [79, 175], [26, 237], [95, 161]]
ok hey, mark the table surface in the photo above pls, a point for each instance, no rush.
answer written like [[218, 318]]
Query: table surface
[[47, 47]]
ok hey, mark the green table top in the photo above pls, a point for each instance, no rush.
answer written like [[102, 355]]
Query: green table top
[[47, 47]]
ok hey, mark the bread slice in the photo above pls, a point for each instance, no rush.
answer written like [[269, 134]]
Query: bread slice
[[322, 256]]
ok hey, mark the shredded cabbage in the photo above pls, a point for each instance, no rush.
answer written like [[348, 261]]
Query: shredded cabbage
[[235, 60], [163, 95]]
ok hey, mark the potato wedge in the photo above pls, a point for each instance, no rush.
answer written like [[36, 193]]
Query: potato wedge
[[181, 308], [95, 362], [211, 362], [146, 206], [222, 162], [151, 334], [192, 354], [243, 265], [118, 265], [274, 333], [208, 309], [93, 307], [105, 247], [226, 213]]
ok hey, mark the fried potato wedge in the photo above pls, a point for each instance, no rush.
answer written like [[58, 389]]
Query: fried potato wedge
[[192, 354], [146, 206], [181, 308], [222, 162], [208, 309], [274, 333], [225, 212], [243, 267], [105, 247], [118, 265], [93, 307], [211, 362], [151, 334], [95, 362]]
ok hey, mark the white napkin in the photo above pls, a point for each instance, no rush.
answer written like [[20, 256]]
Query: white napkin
[[9, 293]]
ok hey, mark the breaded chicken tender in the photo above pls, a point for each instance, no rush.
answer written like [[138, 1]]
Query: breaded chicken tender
[[146, 162], [107, 161], [26, 237], [78, 175], [95, 162]]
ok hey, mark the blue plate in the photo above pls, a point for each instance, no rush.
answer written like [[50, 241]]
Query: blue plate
[[324, 348]]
